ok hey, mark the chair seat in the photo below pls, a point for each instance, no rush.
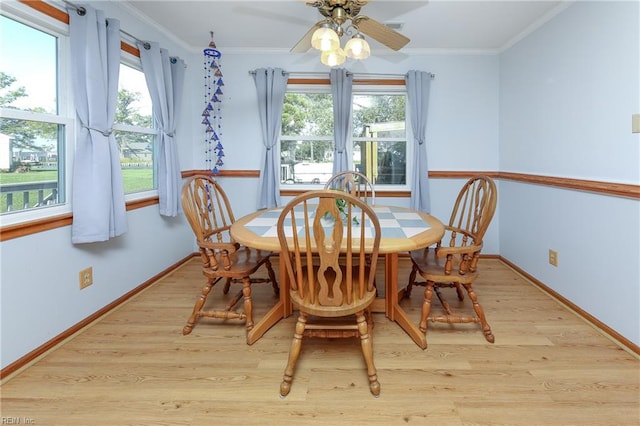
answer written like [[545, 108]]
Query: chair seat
[[431, 267], [357, 304], [245, 261]]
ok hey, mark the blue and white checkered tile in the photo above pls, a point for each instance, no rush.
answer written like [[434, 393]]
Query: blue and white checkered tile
[[393, 224]]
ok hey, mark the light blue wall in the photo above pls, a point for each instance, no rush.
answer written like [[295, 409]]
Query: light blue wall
[[40, 293], [567, 93], [462, 128]]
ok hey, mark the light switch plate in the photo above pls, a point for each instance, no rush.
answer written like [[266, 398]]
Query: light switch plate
[[635, 123]]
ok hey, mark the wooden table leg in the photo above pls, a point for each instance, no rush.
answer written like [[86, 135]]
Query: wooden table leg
[[390, 283], [285, 297], [393, 310], [269, 320], [282, 309], [403, 320]]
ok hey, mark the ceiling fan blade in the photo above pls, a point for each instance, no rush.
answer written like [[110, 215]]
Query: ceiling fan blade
[[304, 43], [380, 32]]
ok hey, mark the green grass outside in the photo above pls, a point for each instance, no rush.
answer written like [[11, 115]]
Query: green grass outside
[[135, 180], [32, 176]]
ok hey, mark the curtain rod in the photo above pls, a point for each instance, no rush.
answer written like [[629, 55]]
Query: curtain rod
[[81, 11], [433, 76]]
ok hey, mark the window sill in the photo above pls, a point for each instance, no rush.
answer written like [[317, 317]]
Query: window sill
[[26, 223], [388, 191]]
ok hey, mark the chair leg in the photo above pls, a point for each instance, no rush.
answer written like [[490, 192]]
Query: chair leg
[[412, 279], [367, 351], [233, 301], [369, 316], [198, 307], [294, 353], [426, 305], [248, 305], [227, 286], [272, 277], [459, 291], [443, 301], [480, 313]]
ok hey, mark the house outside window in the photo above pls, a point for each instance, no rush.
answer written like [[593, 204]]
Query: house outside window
[[379, 138]]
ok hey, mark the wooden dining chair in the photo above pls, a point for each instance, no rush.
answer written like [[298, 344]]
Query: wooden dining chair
[[453, 263], [355, 183], [323, 289], [209, 213]]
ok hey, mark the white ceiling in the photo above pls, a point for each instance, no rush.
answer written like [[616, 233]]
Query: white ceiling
[[241, 25]]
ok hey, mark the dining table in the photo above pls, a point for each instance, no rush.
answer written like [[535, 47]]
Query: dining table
[[402, 230]]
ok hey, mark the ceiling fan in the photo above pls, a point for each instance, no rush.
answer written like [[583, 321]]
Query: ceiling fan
[[343, 17]]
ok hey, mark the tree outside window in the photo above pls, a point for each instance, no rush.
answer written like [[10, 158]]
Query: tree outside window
[[134, 131], [379, 136]]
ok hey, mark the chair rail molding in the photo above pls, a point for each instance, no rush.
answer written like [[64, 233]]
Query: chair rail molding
[[611, 189]]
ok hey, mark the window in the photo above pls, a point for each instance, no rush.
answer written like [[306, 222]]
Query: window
[[380, 138], [33, 131], [37, 118], [306, 143], [379, 135], [134, 131]]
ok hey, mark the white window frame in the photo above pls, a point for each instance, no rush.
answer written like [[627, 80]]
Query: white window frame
[[66, 113], [359, 90]]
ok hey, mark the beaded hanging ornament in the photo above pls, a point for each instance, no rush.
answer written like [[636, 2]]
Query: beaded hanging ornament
[[212, 113]]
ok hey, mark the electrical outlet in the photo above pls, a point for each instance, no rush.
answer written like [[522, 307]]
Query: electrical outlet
[[86, 277], [553, 257]]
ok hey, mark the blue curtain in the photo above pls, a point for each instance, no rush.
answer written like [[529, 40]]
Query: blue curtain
[[418, 84], [99, 211], [341, 88], [165, 79], [271, 85]]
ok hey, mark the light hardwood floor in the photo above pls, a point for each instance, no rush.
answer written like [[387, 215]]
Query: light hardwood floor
[[134, 367]]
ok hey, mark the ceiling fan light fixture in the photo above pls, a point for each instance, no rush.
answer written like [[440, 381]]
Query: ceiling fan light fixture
[[357, 47], [342, 18], [333, 58], [325, 38]]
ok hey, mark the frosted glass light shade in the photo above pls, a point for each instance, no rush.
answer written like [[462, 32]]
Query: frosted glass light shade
[[357, 47], [325, 39], [333, 57]]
